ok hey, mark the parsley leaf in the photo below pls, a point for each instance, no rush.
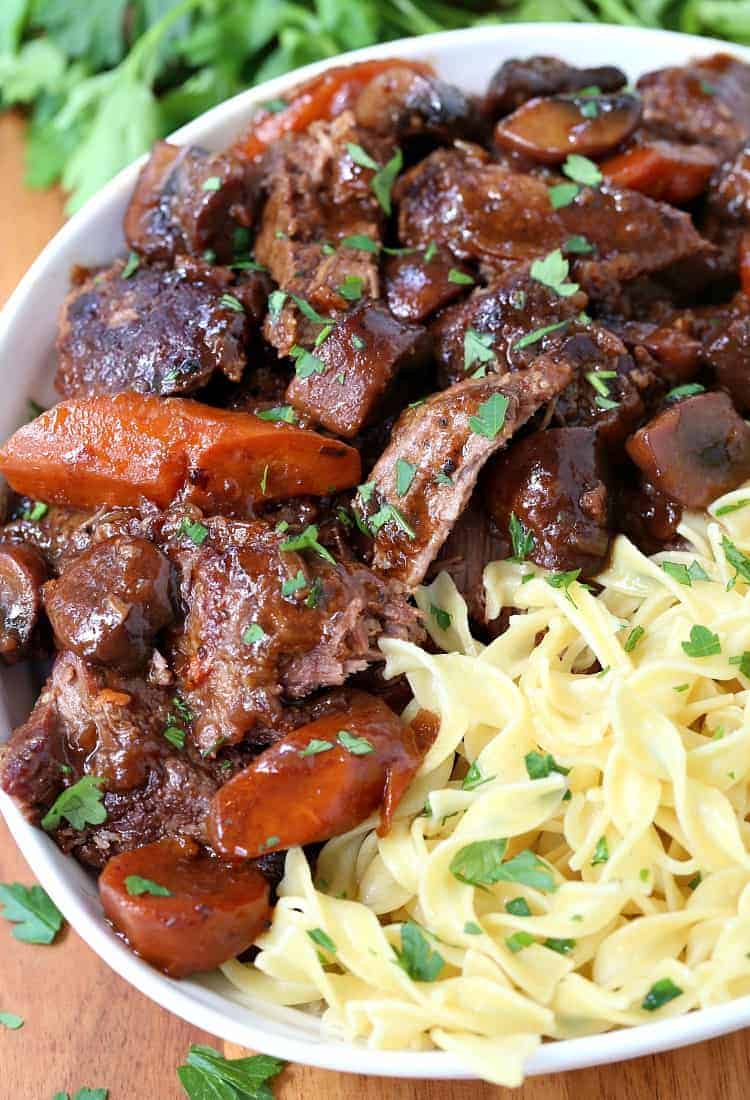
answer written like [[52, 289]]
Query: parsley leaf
[[490, 416], [564, 581], [312, 748], [660, 993], [477, 348], [294, 584], [322, 939], [518, 940], [582, 170], [540, 765], [420, 961], [633, 638], [703, 643], [35, 916], [357, 746], [441, 616], [208, 1075], [578, 245], [253, 633], [136, 885], [391, 512], [471, 928], [538, 334], [474, 778], [11, 1021], [351, 288], [739, 561], [80, 805], [460, 277], [742, 661], [196, 532], [562, 947], [361, 157], [131, 265], [601, 852], [518, 907], [360, 241], [552, 271], [383, 180], [405, 472], [562, 194], [688, 390], [481, 864], [276, 301], [727, 509], [306, 363], [521, 539], [278, 413], [230, 302], [308, 540], [685, 574]]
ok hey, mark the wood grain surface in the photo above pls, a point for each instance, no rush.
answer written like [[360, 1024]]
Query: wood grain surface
[[85, 1026]]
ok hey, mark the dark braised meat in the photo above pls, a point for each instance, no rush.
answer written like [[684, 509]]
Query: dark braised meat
[[724, 332], [649, 518], [472, 543], [402, 103], [427, 473], [111, 601], [361, 358], [160, 330], [555, 484], [694, 451], [23, 571], [706, 101], [517, 81], [187, 201], [419, 283], [264, 622]]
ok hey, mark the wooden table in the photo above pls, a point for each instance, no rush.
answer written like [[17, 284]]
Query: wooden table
[[85, 1026]]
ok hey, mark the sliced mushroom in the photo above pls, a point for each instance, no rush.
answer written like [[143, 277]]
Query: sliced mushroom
[[549, 129]]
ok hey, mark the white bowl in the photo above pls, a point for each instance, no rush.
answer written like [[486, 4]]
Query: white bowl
[[27, 333]]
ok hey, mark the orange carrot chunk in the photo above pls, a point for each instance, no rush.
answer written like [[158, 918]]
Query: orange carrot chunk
[[662, 170], [117, 449]]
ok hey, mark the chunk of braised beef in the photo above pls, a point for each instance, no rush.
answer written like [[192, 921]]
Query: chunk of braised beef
[[672, 346], [402, 103], [551, 128], [555, 483], [188, 201], [426, 475], [647, 516], [416, 287], [519, 80], [264, 621], [472, 543], [111, 601], [725, 220], [23, 571], [724, 332], [159, 330], [695, 450], [707, 101], [361, 358]]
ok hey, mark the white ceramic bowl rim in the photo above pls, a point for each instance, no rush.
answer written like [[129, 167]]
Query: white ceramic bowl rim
[[26, 337]]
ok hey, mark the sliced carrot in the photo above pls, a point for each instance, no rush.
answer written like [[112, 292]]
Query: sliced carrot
[[116, 449], [324, 96], [662, 170]]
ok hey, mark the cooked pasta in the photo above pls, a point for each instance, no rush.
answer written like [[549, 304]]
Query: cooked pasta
[[575, 853]]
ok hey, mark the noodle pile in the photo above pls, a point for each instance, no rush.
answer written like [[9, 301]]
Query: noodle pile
[[575, 853]]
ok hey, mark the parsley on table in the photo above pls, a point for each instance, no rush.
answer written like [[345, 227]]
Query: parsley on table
[[481, 864], [490, 416], [660, 993], [538, 334], [11, 1021], [420, 961], [540, 765], [31, 910], [137, 885], [477, 348], [601, 852], [518, 907], [80, 805], [196, 532], [384, 178], [85, 1094], [316, 746], [405, 472], [518, 940], [308, 540], [703, 642], [208, 1075], [552, 271], [460, 278], [278, 413], [582, 170], [442, 617], [253, 633], [357, 746], [522, 540], [305, 363]]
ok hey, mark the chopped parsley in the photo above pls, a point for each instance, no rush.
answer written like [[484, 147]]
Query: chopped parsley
[[208, 1074], [477, 348], [36, 512], [351, 288], [518, 907], [316, 591], [441, 616], [213, 183], [599, 380], [176, 736], [357, 746], [366, 490], [131, 265], [316, 746], [518, 940], [633, 638], [294, 584], [253, 633], [276, 301], [323, 335], [562, 194], [474, 778], [539, 765], [80, 805], [306, 364], [360, 241], [601, 852], [695, 881], [471, 928], [322, 939], [660, 993], [582, 170], [739, 561], [552, 272], [578, 245], [490, 416], [230, 302], [417, 957], [562, 947], [703, 643], [727, 509], [564, 581], [308, 540], [361, 157], [405, 472], [460, 277], [743, 661], [357, 342], [383, 180], [685, 574], [430, 252], [688, 390], [481, 864], [195, 531], [264, 479], [136, 885], [278, 413], [389, 512], [538, 334], [11, 1021], [522, 540], [30, 909]]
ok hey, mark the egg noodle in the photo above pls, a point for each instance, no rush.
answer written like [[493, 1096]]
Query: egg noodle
[[574, 854]]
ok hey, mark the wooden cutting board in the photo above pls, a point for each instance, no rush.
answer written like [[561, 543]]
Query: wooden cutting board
[[85, 1026]]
